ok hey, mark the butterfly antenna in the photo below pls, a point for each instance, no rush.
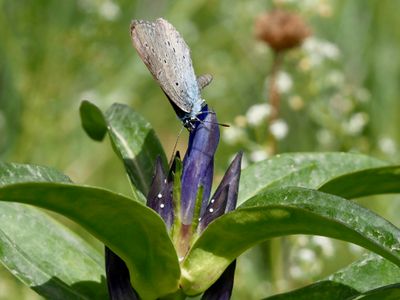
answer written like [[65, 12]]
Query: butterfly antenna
[[171, 161], [220, 124]]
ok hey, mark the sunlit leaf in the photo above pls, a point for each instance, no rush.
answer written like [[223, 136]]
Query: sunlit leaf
[[280, 212], [309, 170], [131, 230], [40, 251], [132, 137], [364, 183]]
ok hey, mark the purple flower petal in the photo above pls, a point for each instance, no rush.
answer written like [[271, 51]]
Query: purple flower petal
[[222, 288], [222, 202], [215, 208], [160, 195], [118, 278], [198, 165]]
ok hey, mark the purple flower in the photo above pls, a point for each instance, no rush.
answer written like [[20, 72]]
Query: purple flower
[[197, 210]]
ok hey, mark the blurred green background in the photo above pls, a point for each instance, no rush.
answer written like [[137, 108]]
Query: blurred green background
[[340, 92]]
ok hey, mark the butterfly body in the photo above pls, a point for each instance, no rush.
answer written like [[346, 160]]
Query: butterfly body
[[167, 57]]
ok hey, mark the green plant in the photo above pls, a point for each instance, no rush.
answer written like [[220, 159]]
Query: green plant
[[299, 193]]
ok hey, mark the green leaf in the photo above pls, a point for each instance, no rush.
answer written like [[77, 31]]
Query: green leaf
[[322, 290], [366, 275], [391, 292], [93, 121], [14, 173], [279, 212], [364, 183], [132, 137], [131, 230], [309, 170], [41, 252], [47, 257]]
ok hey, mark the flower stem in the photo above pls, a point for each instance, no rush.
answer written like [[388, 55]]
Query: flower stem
[[274, 97]]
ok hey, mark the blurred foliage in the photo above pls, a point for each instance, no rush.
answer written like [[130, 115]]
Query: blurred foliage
[[54, 54]]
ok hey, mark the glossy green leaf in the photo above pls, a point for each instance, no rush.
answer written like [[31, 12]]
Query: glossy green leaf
[[369, 273], [131, 230], [322, 290], [47, 257], [93, 121], [280, 212], [391, 292], [132, 137], [364, 183], [309, 170], [40, 251]]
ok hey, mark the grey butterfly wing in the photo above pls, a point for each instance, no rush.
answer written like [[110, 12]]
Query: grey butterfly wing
[[167, 56]]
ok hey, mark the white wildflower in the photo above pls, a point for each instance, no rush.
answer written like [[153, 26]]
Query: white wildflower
[[258, 155], [258, 113], [319, 50], [306, 255], [109, 10], [325, 244], [387, 145], [356, 123], [284, 82], [279, 129], [325, 137]]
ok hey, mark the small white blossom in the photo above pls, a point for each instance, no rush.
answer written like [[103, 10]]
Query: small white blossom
[[109, 10], [258, 113], [325, 137], [319, 50], [306, 254], [387, 145], [279, 129], [284, 82], [325, 244], [356, 123], [258, 155]]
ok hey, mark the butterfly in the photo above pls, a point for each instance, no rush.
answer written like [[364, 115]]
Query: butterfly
[[167, 56]]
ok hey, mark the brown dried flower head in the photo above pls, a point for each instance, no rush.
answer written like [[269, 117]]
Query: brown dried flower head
[[281, 30]]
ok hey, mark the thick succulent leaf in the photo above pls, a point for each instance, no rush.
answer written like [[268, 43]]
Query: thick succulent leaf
[[309, 170], [280, 212], [364, 183], [40, 251], [132, 137], [119, 222]]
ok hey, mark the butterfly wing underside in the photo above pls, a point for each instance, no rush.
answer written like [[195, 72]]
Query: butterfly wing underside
[[167, 57]]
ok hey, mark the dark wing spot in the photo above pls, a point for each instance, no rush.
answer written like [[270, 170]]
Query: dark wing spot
[[165, 61], [176, 83], [173, 49], [169, 44]]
